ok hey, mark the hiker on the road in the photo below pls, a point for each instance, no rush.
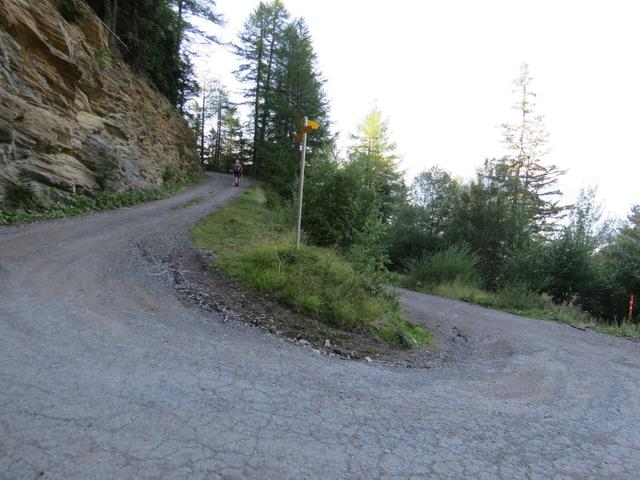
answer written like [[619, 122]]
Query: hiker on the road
[[237, 172]]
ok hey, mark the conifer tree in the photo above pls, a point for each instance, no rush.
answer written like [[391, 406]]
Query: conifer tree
[[256, 48], [278, 68], [535, 195]]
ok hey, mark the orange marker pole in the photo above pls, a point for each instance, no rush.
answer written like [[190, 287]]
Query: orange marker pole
[[631, 304]]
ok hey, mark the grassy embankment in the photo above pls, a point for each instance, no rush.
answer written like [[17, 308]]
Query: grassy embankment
[[254, 240], [522, 302], [30, 208]]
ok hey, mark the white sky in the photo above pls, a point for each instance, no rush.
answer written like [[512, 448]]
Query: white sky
[[442, 72]]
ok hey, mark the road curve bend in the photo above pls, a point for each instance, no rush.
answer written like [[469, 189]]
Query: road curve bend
[[105, 374]]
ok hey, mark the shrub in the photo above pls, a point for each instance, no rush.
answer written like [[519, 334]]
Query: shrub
[[519, 298], [171, 174], [20, 195], [456, 264], [106, 169], [103, 58]]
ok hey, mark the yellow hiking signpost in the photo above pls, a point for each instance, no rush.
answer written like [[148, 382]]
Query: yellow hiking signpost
[[307, 127], [313, 125]]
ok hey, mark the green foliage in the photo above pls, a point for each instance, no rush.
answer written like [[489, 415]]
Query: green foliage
[[486, 219], [255, 241], [408, 238], [329, 210], [351, 203], [78, 204], [528, 265], [520, 301], [533, 195], [70, 10], [619, 264], [278, 69], [103, 58], [154, 38], [171, 174], [148, 111], [425, 224], [585, 263], [106, 169], [456, 264], [20, 195]]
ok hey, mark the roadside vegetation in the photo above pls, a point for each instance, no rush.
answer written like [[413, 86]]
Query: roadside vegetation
[[253, 239], [25, 206], [520, 301]]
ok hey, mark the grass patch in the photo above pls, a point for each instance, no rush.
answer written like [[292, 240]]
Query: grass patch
[[519, 301], [78, 204], [253, 237], [103, 58]]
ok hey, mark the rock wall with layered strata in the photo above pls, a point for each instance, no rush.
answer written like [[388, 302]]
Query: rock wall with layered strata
[[69, 107]]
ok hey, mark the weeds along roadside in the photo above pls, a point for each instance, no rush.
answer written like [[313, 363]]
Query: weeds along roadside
[[451, 274], [253, 239], [26, 206]]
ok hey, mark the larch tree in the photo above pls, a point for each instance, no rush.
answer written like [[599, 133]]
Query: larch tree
[[527, 140], [231, 142], [205, 109], [375, 154], [256, 48], [282, 84], [188, 33]]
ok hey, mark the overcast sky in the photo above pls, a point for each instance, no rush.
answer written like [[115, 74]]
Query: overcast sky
[[442, 72]]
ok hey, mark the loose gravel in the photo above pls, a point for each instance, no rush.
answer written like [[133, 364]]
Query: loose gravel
[[106, 372]]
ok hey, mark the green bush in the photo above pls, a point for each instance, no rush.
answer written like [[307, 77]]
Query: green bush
[[519, 298], [21, 196], [106, 169], [170, 174], [103, 58], [456, 264]]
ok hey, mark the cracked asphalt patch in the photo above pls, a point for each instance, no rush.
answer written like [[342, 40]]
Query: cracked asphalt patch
[[104, 373]]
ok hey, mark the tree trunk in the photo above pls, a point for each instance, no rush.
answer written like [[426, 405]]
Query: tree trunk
[[108, 15], [180, 28], [256, 113], [219, 132], [267, 83], [179, 48], [114, 16], [202, 122]]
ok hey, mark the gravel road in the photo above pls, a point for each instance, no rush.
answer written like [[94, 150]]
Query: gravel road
[[105, 374]]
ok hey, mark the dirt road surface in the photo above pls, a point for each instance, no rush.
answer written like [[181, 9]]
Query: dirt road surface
[[105, 374]]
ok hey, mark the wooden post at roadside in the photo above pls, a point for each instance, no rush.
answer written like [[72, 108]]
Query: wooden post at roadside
[[301, 186], [632, 299], [307, 127]]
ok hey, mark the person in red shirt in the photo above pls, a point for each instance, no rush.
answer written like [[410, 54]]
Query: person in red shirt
[[237, 172]]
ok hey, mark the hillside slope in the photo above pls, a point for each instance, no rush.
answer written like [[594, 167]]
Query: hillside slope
[[70, 111]]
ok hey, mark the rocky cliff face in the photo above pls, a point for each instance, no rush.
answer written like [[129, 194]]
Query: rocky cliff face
[[70, 110]]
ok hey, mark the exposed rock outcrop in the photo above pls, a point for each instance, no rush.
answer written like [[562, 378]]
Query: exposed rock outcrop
[[68, 107]]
